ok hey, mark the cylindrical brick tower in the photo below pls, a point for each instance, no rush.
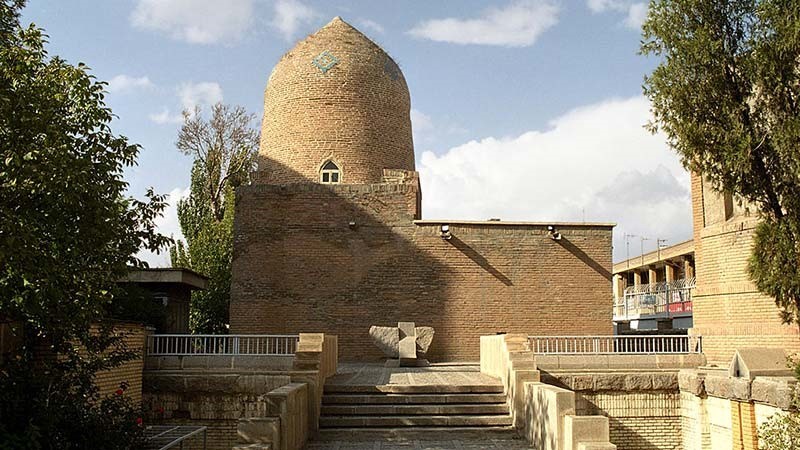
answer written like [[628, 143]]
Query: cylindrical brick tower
[[338, 98]]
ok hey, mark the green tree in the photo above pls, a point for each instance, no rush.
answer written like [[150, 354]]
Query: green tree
[[68, 231], [726, 93], [224, 149]]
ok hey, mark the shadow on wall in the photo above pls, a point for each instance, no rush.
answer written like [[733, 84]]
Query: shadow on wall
[[586, 259], [338, 259], [479, 260], [333, 259]]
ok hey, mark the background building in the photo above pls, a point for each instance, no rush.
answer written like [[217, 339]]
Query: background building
[[654, 291]]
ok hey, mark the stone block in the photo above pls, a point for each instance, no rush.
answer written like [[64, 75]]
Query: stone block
[[584, 429], [545, 409], [609, 382], [638, 382], [596, 446], [740, 389], [582, 383], [752, 362], [665, 381], [261, 430], [424, 339], [407, 345], [718, 386], [195, 362], [692, 382], [774, 391], [387, 339]]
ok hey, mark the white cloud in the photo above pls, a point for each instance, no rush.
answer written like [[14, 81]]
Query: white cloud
[[195, 21], [596, 163], [290, 15], [124, 83], [165, 117], [518, 24], [371, 25], [635, 12], [199, 94], [190, 95], [167, 225], [598, 6]]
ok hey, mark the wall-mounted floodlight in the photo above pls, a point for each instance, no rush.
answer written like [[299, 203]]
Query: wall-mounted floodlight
[[554, 234], [352, 224], [445, 231]]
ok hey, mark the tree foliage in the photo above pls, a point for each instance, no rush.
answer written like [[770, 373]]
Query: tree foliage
[[224, 149], [727, 95], [68, 232], [782, 430]]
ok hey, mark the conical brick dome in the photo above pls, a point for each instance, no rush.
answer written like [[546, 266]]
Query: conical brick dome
[[335, 97]]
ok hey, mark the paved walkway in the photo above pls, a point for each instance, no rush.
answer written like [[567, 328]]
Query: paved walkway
[[361, 374], [487, 444]]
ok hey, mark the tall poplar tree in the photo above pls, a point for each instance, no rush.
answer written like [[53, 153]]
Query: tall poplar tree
[[224, 148]]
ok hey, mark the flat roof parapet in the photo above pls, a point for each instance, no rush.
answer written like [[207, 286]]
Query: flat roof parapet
[[501, 223], [167, 275]]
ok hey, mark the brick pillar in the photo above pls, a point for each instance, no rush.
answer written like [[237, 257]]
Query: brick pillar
[[637, 278], [669, 272], [688, 268], [619, 286], [651, 275]]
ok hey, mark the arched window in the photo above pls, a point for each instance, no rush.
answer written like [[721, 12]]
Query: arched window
[[330, 173]]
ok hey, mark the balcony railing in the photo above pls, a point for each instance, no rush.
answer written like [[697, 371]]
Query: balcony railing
[[664, 299], [598, 345], [228, 344]]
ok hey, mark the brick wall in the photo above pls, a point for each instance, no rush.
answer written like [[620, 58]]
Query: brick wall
[[131, 371], [300, 266], [637, 420], [728, 310]]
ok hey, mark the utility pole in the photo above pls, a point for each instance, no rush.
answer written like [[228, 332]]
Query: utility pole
[[641, 243], [659, 244], [628, 237]]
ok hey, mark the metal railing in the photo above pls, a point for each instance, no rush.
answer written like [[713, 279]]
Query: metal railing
[[599, 345], [221, 344], [664, 299]]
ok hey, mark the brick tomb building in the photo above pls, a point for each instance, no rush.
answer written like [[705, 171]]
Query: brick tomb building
[[330, 236]]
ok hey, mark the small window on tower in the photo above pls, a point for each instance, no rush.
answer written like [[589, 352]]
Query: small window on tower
[[330, 173]]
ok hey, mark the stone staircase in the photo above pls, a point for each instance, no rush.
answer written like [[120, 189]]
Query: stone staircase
[[409, 410]]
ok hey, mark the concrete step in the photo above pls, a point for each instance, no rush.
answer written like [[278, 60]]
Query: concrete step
[[417, 433], [383, 399], [414, 388], [413, 410], [414, 421]]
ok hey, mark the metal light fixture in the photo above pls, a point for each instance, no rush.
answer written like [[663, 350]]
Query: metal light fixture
[[554, 234], [445, 231]]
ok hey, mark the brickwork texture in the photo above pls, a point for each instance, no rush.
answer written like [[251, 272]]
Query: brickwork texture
[[729, 312], [130, 372], [335, 96]]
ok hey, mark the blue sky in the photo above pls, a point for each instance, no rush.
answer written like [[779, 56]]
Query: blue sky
[[522, 109]]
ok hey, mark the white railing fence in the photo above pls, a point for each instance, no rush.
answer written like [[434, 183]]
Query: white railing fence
[[221, 344], [669, 298], [643, 345]]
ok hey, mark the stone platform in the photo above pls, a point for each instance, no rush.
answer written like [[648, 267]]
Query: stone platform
[[442, 406], [377, 378]]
